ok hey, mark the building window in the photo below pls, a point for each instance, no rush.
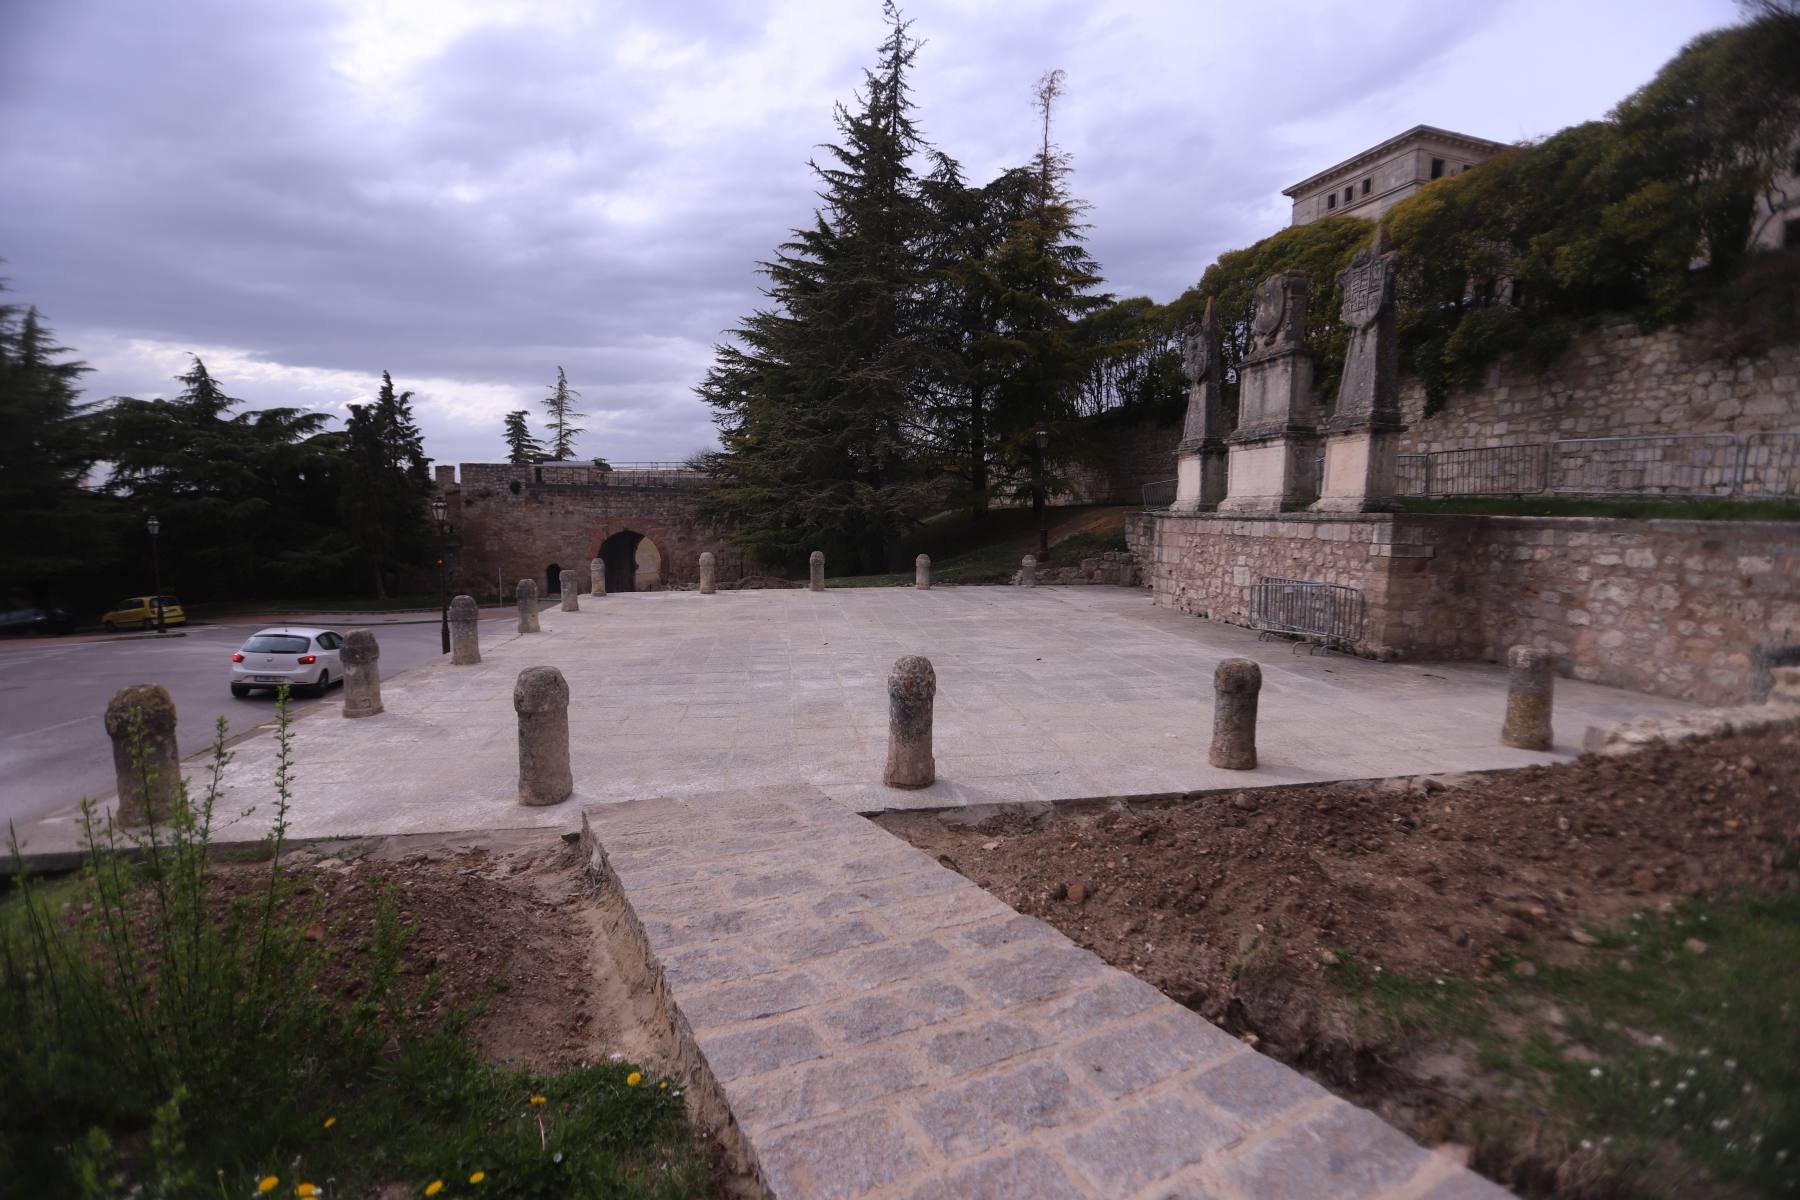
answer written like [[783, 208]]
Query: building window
[[1365, 187], [1437, 168], [1331, 202], [1348, 193]]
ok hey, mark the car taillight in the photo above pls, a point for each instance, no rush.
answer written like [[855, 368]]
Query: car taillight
[[237, 658], [307, 660]]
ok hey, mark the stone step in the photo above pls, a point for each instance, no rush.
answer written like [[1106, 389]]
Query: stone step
[[878, 1026]]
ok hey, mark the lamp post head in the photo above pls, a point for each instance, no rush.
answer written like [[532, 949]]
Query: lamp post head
[[438, 509], [1043, 437], [154, 526]]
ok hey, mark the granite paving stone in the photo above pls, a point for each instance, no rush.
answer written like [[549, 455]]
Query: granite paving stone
[[926, 1041]]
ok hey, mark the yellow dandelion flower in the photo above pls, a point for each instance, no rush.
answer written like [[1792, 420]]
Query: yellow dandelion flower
[[308, 1189], [664, 1085], [537, 1100], [330, 1121], [268, 1183], [478, 1176], [633, 1079], [434, 1187]]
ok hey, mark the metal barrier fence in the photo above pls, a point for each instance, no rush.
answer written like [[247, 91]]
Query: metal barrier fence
[[1159, 495], [1682, 464], [1329, 612]]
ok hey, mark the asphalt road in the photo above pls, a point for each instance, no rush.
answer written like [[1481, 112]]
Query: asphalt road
[[53, 694]]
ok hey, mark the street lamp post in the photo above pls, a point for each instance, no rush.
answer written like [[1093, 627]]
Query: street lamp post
[[155, 527], [1041, 441], [438, 511]]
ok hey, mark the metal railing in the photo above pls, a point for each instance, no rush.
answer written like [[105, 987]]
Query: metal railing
[[1329, 612], [1675, 465], [1159, 495]]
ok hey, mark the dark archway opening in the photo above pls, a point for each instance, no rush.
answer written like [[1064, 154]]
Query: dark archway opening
[[619, 555], [552, 580]]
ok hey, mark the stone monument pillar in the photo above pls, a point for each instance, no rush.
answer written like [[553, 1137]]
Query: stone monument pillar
[[541, 698], [709, 573], [912, 689], [361, 657], [1028, 571], [922, 572], [149, 779], [815, 570], [1237, 683], [528, 612], [1200, 456], [597, 578], [465, 632], [1530, 691], [1271, 465], [571, 600], [1362, 434]]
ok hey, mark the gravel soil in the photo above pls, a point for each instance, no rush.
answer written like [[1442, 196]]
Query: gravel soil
[[1252, 907]]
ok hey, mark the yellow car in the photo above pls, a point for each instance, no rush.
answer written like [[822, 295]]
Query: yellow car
[[138, 612]]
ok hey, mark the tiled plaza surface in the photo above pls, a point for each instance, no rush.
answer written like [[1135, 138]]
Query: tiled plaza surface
[[878, 1026], [1049, 693]]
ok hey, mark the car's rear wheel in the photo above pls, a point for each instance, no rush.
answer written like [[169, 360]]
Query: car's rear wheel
[[109, 627], [240, 690], [318, 688]]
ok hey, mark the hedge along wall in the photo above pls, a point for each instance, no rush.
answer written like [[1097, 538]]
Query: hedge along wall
[[1676, 608]]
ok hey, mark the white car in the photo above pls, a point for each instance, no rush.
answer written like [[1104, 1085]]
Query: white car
[[306, 660]]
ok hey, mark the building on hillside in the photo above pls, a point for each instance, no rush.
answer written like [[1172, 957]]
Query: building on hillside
[[1776, 223], [1370, 183]]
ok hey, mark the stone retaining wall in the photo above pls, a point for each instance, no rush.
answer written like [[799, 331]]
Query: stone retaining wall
[[1615, 382], [1676, 608]]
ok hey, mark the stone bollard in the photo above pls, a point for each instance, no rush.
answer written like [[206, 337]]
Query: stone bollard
[[709, 573], [922, 572], [815, 566], [362, 674], [465, 634], [597, 578], [1028, 571], [1528, 696], [528, 611], [1236, 683], [541, 698], [571, 599], [150, 788], [911, 689]]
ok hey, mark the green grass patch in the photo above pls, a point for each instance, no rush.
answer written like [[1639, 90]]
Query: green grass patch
[[1560, 506], [167, 1040], [964, 550], [1671, 1054]]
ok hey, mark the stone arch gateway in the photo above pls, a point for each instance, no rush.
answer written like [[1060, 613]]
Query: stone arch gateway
[[632, 561]]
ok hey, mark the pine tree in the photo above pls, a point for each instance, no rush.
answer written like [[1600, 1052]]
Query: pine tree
[[383, 501], [46, 446], [1043, 276], [561, 403], [521, 447], [817, 401]]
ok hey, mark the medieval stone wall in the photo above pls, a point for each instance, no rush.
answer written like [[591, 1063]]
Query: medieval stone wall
[[1134, 451], [1615, 382], [1677, 608], [509, 526]]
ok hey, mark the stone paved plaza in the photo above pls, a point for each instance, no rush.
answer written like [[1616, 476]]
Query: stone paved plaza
[[875, 1024], [1043, 694]]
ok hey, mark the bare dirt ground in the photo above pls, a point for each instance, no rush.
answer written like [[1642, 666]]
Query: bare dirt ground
[[506, 923], [1253, 907]]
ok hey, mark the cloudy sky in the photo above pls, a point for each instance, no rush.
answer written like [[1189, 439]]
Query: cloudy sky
[[469, 193]]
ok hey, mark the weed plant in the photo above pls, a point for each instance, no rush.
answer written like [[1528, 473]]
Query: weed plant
[[161, 1042]]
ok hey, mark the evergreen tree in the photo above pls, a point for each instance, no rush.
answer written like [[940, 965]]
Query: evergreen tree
[[47, 521], [387, 481], [1043, 279], [240, 496], [521, 447], [817, 401], [561, 403]]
